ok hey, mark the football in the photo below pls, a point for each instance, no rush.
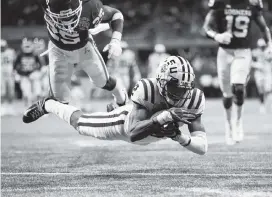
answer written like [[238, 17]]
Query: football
[[167, 130]]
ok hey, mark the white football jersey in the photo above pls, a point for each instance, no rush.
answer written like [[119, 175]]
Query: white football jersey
[[146, 93], [7, 60]]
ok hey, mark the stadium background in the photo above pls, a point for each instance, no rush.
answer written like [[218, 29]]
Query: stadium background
[[176, 24]]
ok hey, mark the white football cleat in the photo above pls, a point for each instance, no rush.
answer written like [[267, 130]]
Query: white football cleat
[[239, 130], [228, 134]]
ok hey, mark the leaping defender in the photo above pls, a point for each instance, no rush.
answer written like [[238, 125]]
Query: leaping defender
[[72, 48], [159, 105], [228, 23]]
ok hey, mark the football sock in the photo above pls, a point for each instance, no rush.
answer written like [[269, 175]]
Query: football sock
[[239, 110], [63, 111], [228, 114], [119, 93]]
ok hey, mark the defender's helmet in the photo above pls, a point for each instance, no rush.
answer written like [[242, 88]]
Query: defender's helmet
[[175, 79], [27, 45], [65, 14]]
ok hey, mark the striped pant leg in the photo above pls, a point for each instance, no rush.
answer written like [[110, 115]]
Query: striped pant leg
[[104, 125]]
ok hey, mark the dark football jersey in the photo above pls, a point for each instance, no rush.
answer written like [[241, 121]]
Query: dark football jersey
[[26, 63], [235, 18], [91, 15]]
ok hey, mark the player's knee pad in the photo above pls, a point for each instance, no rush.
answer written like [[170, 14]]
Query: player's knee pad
[[227, 102], [110, 85], [239, 93]]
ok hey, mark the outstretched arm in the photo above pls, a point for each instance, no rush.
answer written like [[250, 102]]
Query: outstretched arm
[[140, 125], [208, 24], [197, 140], [116, 20]]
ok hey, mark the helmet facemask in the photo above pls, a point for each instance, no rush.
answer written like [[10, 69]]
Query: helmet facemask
[[66, 20]]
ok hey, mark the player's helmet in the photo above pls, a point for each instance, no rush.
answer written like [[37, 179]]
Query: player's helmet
[[27, 45], [175, 79], [39, 45], [65, 14], [159, 48], [4, 45]]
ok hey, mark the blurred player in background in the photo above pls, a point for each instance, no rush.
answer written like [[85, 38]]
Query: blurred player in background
[[262, 65], [71, 48], [8, 56], [39, 48], [125, 67], [155, 58], [228, 22], [27, 66], [160, 106]]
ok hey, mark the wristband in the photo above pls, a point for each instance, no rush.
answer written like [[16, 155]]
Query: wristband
[[184, 140], [211, 33], [189, 142], [116, 35]]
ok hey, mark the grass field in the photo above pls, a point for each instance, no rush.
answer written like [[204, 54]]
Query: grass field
[[48, 158]]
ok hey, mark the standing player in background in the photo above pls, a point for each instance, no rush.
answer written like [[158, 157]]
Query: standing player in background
[[8, 56], [228, 22], [27, 66], [39, 48], [122, 66], [262, 65], [155, 58], [71, 48]]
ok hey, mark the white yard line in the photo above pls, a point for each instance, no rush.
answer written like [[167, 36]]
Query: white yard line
[[135, 174], [195, 190]]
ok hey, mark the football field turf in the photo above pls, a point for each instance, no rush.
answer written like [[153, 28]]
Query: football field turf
[[48, 158]]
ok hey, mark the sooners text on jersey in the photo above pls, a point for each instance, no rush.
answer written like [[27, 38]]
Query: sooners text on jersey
[[235, 18]]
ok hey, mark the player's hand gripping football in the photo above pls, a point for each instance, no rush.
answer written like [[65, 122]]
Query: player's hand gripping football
[[114, 48], [223, 38], [175, 114]]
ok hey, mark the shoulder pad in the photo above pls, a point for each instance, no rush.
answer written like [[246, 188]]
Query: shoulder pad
[[197, 101], [143, 92], [216, 4]]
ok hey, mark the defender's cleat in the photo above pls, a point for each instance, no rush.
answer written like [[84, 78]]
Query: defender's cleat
[[35, 111], [112, 106]]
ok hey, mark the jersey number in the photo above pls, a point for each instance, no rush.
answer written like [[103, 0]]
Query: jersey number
[[241, 25], [63, 36]]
